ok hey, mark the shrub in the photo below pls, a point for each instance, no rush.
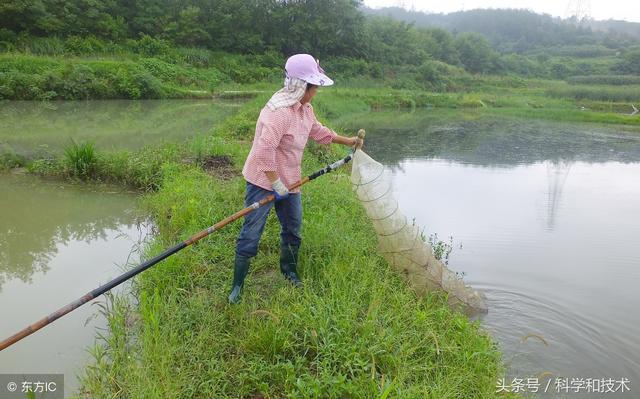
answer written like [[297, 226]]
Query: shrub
[[195, 56], [84, 45], [348, 67], [77, 82], [10, 160], [438, 76], [81, 159], [22, 86], [149, 46], [244, 69], [596, 93]]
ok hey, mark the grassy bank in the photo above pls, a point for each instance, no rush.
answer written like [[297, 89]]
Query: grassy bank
[[355, 330], [28, 77], [88, 68], [530, 101]]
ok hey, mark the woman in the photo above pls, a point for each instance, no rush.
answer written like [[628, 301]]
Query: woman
[[282, 131]]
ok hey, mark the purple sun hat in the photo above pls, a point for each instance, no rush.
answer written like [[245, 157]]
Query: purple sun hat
[[307, 68]]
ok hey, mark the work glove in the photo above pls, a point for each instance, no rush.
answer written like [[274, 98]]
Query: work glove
[[280, 190]]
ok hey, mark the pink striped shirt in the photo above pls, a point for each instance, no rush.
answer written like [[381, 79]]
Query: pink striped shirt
[[279, 142]]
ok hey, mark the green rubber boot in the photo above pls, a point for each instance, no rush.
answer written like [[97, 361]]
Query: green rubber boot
[[240, 271], [289, 263]]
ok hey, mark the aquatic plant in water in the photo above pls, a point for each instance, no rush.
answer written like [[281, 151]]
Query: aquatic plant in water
[[81, 159]]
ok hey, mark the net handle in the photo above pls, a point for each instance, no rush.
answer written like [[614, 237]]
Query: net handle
[[360, 140]]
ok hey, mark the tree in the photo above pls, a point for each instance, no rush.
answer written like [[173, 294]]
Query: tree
[[630, 62], [23, 16], [321, 27], [475, 53], [188, 29]]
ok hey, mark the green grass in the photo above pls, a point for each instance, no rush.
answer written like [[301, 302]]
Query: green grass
[[628, 93], [568, 115], [356, 330], [138, 169], [143, 169], [81, 159], [528, 102], [75, 67], [29, 77]]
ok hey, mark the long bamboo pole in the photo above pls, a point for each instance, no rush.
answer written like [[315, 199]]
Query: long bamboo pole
[[168, 252]]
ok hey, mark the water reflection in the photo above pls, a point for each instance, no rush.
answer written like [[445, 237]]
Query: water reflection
[[38, 216], [492, 142], [57, 242], [37, 128], [557, 173]]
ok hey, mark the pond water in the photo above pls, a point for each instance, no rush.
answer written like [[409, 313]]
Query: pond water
[[545, 219], [36, 128], [58, 241]]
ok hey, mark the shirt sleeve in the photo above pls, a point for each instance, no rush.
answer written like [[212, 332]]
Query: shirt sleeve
[[273, 128], [321, 134]]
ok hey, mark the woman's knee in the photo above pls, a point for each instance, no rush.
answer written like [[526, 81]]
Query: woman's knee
[[248, 240]]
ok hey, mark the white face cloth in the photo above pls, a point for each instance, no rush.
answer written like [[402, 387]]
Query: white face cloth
[[291, 93]]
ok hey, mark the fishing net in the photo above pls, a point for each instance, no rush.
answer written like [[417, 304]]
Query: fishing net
[[401, 242]]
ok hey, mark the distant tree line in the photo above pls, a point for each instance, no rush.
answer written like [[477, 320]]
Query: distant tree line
[[522, 31], [335, 28], [494, 41]]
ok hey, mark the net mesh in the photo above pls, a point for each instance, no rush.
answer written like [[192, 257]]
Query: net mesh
[[400, 240]]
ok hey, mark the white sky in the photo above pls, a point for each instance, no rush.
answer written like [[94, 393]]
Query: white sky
[[628, 10]]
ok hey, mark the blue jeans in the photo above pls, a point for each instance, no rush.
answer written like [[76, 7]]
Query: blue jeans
[[289, 211]]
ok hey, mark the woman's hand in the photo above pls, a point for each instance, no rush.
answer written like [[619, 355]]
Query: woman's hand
[[348, 141], [356, 142], [279, 189]]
